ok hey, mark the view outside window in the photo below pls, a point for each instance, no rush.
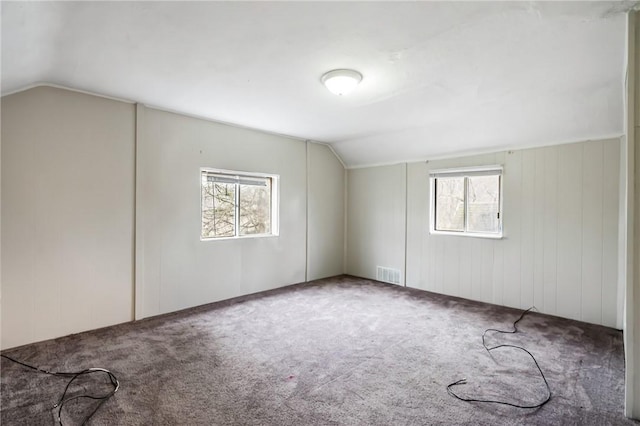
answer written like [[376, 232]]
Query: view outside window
[[255, 209], [467, 202], [235, 205], [450, 204], [218, 209], [483, 204]]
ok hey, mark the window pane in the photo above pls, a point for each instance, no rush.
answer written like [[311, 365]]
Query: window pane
[[255, 208], [450, 204], [483, 204], [207, 208], [218, 209]]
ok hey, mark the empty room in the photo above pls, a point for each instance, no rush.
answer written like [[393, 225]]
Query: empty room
[[320, 213]]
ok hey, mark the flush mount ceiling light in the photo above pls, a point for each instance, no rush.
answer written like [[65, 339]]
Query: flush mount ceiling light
[[341, 82]]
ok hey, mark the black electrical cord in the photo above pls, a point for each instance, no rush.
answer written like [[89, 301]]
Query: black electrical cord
[[489, 349], [74, 375]]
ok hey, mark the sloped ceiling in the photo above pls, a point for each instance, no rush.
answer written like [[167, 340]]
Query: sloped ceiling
[[440, 78]]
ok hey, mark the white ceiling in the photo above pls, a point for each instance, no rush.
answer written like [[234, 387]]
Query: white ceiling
[[440, 78]]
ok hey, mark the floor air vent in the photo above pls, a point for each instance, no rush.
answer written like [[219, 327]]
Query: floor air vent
[[388, 275]]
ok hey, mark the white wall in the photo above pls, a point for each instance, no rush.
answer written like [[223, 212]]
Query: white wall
[[178, 270], [326, 209], [634, 301], [560, 245], [560, 221], [376, 208], [67, 214], [630, 218], [70, 164]]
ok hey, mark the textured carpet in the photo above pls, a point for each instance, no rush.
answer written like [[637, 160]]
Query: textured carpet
[[340, 351]]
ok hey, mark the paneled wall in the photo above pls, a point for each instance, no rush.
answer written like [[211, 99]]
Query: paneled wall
[[376, 200], [175, 269], [67, 214], [630, 231], [326, 186], [82, 176], [560, 220]]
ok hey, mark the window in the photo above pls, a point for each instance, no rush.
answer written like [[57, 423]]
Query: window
[[238, 204], [467, 201]]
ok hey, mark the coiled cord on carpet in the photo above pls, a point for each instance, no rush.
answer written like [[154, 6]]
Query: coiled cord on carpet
[[74, 375], [489, 349]]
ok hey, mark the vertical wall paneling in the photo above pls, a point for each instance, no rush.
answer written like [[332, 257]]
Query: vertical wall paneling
[[140, 214], [559, 253], [325, 212], [417, 225], [498, 249], [550, 213], [592, 231], [630, 217], [512, 243], [610, 212], [439, 267], [376, 220], [475, 254], [451, 266], [307, 165], [67, 230], [527, 227], [570, 216], [538, 230], [487, 250], [406, 214], [498, 274], [630, 214], [466, 263], [148, 263], [346, 219], [180, 270], [19, 279], [108, 229]]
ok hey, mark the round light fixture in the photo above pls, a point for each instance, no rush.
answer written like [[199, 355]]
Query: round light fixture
[[341, 82]]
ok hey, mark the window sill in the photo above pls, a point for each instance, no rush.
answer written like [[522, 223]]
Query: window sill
[[469, 234], [242, 237]]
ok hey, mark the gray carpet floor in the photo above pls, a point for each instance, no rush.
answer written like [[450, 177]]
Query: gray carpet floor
[[339, 351]]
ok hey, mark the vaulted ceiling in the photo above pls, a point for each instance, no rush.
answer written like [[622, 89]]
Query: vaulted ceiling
[[440, 78]]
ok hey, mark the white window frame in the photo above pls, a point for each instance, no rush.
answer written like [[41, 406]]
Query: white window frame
[[275, 203], [465, 172]]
